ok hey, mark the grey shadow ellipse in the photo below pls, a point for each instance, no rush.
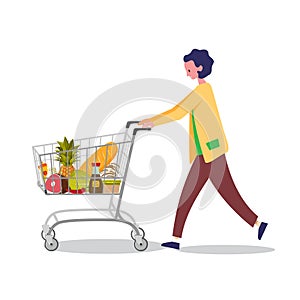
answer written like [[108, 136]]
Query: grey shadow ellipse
[[103, 246], [226, 249]]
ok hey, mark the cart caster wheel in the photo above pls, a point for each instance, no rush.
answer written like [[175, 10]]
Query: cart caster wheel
[[52, 233], [141, 245], [51, 246], [133, 233]]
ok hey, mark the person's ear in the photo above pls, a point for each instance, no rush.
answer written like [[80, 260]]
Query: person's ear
[[200, 68]]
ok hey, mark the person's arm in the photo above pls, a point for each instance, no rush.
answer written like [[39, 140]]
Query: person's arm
[[190, 102]]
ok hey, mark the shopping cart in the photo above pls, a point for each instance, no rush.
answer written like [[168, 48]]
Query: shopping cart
[[99, 167]]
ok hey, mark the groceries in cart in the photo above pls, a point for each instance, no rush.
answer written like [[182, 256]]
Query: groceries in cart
[[44, 169], [111, 185], [83, 169], [104, 155]]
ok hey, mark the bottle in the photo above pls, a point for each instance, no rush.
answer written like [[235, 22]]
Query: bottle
[[95, 185]]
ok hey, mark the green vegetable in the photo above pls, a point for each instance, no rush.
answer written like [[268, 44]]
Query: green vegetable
[[78, 180]]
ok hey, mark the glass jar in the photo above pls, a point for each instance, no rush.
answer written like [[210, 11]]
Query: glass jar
[[95, 184]]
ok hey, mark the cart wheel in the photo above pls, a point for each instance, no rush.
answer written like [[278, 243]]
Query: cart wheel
[[51, 246], [141, 245], [133, 233], [52, 233]]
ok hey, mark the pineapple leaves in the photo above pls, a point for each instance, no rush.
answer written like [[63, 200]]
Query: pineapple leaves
[[67, 153], [71, 145], [66, 144]]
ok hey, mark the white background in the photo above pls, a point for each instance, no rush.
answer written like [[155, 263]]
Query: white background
[[58, 56]]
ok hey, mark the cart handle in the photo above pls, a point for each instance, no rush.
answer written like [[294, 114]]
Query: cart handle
[[131, 122], [135, 130]]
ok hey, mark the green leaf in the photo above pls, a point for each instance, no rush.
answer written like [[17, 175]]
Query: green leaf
[[61, 144], [66, 143], [63, 157], [71, 144]]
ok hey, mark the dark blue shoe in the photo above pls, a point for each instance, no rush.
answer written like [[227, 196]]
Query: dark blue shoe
[[262, 229], [173, 245]]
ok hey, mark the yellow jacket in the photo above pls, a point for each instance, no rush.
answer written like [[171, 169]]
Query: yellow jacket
[[208, 123]]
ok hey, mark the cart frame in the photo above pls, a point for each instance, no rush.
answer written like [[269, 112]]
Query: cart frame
[[137, 233]]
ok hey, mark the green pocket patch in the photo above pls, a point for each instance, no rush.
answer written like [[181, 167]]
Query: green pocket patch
[[213, 144]]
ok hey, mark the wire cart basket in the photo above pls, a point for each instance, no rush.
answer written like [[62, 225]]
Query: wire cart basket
[[90, 166]]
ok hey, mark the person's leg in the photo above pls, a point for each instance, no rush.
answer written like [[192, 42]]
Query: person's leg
[[197, 177], [222, 180]]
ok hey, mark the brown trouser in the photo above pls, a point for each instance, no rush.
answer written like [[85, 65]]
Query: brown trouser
[[217, 171]]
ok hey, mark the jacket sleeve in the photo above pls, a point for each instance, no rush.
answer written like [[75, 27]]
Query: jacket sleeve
[[190, 102]]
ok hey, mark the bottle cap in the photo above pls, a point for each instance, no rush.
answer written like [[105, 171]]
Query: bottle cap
[[96, 164]]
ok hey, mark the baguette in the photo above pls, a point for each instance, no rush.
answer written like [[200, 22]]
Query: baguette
[[104, 155]]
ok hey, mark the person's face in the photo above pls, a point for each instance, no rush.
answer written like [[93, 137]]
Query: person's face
[[191, 69]]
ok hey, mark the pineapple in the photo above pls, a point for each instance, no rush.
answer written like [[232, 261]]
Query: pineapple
[[66, 155]]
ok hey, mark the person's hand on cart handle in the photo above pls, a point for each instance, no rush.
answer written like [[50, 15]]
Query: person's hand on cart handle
[[146, 123]]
